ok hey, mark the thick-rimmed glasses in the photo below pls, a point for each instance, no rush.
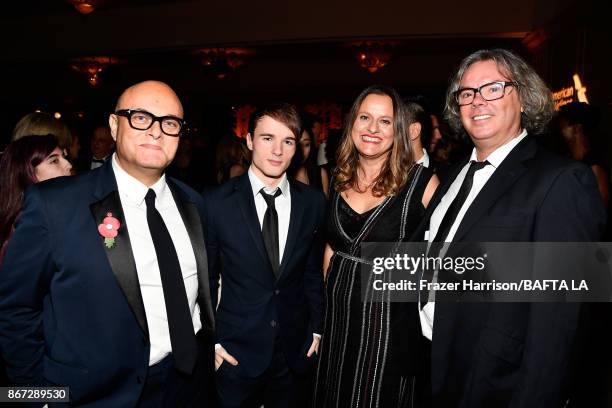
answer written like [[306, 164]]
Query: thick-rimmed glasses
[[489, 92], [143, 120]]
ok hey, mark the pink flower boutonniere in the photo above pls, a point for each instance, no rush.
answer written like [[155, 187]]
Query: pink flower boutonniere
[[108, 229]]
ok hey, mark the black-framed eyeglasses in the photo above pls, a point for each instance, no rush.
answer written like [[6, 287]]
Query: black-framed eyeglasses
[[142, 120], [489, 92]]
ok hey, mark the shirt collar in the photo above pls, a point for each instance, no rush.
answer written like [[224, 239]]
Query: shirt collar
[[134, 190], [257, 184], [424, 160], [499, 154], [102, 158]]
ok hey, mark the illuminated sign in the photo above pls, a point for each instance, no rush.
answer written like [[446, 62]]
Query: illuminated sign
[[571, 93], [580, 89]]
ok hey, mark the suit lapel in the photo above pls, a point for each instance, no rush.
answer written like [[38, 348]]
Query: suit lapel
[[120, 256], [296, 213], [193, 225], [423, 226], [441, 191], [510, 169], [246, 203]]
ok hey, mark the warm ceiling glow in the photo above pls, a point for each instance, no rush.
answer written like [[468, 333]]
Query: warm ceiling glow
[[223, 61], [91, 67], [373, 55], [84, 6]]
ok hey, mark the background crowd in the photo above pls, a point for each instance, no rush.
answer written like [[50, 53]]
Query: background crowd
[[376, 193]]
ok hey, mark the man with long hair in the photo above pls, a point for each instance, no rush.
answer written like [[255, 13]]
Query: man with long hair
[[510, 190]]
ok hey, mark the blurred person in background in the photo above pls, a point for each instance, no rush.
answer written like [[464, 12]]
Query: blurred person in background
[[75, 147], [40, 124], [26, 161], [578, 123], [306, 169], [429, 147], [449, 149], [419, 131], [436, 134], [102, 146], [186, 166], [334, 136], [232, 158]]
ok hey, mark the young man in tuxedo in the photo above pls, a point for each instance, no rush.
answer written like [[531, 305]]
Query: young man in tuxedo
[[510, 190], [104, 285], [264, 241]]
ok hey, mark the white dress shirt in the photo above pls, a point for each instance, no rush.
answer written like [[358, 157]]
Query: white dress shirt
[[98, 162], [282, 205], [283, 209], [480, 179], [322, 153], [132, 193], [424, 160]]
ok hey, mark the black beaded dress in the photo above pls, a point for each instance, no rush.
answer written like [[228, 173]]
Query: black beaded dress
[[368, 349]]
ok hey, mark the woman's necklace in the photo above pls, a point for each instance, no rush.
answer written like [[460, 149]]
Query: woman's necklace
[[366, 187]]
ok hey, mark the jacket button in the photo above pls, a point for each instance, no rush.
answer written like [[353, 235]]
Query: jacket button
[[273, 323], [276, 292]]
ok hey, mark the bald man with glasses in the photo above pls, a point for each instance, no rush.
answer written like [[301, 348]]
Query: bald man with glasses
[[105, 285]]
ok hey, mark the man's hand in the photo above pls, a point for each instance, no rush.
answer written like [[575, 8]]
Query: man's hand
[[221, 355], [314, 347]]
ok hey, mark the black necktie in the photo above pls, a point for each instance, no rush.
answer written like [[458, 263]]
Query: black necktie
[[449, 219], [453, 209], [270, 229], [180, 324]]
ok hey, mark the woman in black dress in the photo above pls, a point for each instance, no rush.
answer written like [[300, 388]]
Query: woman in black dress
[[367, 354]]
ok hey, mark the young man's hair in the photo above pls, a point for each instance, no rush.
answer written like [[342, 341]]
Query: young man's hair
[[285, 113]]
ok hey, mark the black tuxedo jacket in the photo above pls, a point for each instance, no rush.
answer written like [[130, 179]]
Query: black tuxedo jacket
[[514, 354], [71, 311], [83, 163], [255, 306]]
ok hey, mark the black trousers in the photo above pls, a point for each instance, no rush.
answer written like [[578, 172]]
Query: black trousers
[[4, 382], [422, 385], [167, 387], [277, 387]]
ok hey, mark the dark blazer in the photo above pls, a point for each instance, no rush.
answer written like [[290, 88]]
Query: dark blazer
[[515, 354], [83, 163], [71, 311], [255, 306]]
